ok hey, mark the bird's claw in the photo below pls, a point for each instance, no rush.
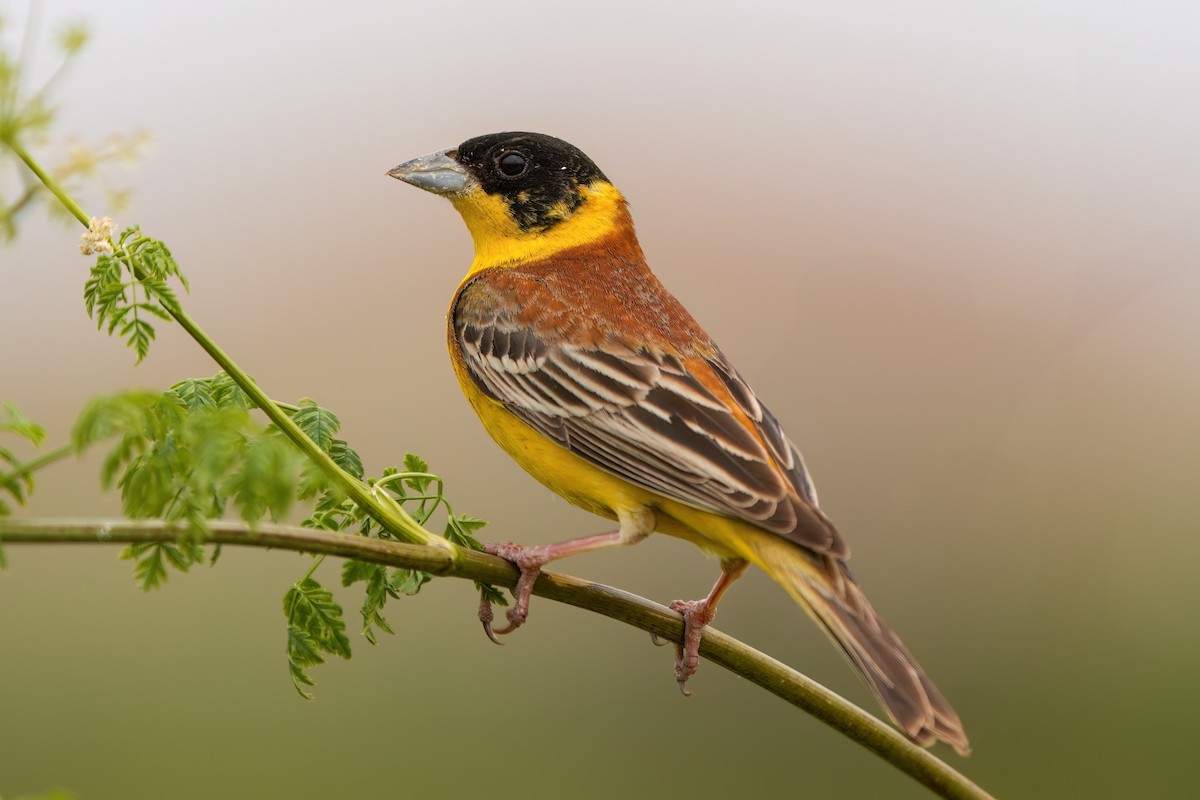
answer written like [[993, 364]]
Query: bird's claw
[[696, 614], [530, 564], [486, 616]]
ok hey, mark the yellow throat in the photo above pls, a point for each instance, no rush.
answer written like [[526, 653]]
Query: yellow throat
[[500, 240]]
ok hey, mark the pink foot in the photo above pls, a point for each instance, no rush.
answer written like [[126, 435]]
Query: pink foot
[[530, 563], [696, 614]]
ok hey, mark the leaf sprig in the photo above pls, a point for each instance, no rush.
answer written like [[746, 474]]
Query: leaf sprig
[[128, 287], [315, 626], [187, 455], [197, 452]]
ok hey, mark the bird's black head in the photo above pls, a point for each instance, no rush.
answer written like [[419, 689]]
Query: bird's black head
[[538, 176], [522, 195]]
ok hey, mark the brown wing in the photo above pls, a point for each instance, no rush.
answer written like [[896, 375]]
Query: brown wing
[[649, 418]]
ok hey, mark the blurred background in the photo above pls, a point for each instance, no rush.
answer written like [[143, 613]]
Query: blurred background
[[953, 246]]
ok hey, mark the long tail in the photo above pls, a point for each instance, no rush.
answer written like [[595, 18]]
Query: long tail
[[825, 588]]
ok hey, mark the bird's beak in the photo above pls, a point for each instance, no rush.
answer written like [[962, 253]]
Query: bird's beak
[[437, 172]]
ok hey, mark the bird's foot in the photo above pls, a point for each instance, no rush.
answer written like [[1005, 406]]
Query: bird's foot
[[530, 561], [696, 614]]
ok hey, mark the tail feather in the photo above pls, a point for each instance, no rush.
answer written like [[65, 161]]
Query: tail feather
[[825, 588]]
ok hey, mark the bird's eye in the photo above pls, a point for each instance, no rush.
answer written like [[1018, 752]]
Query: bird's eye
[[512, 165]]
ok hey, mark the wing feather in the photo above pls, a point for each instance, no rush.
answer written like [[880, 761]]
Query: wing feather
[[644, 416]]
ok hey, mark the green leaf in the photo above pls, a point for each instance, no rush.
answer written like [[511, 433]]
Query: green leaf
[[153, 310], [22, 426], [158, 262], [227, 393], [356, 571], [266, 480], [197, 395], [310, 607], [346, 457], [313, 482], [136, 418], [414, 463], [147, 485], [9, 457], [110, 293], [101, 288], [168, 300], [491, 594], [318, 424], [315, 626], [181, 556], [301, 653], [138, 334], [17, 487], [151, 559], [137, 413], [378, 590], [459, 530], [408, 581], [182, 455]]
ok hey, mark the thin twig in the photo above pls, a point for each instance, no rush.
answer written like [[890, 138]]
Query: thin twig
[[717, 647]]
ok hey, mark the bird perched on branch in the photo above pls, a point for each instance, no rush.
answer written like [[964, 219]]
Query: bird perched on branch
[[597, 381]]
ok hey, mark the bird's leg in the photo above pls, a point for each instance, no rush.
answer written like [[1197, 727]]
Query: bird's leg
[[697, 614], [635, 526], [530, 561]]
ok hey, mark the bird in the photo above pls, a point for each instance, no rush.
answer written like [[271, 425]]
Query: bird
[[597, 381]]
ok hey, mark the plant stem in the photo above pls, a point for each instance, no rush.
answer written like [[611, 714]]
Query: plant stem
[[733, 655], [391, 516], [34, 464], [51, 184]]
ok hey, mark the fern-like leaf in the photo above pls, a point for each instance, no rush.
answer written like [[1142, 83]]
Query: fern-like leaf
[[318, 423], [112, 289], [315, 626]]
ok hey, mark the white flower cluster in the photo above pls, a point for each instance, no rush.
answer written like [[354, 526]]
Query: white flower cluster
[[97, 239]]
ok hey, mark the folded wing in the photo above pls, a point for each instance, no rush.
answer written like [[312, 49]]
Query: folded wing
[[654, 419]]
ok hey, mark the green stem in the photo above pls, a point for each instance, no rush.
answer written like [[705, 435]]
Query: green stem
[[318, 561], [717, 647], [34, 464], [50, 183], [392, 517]]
